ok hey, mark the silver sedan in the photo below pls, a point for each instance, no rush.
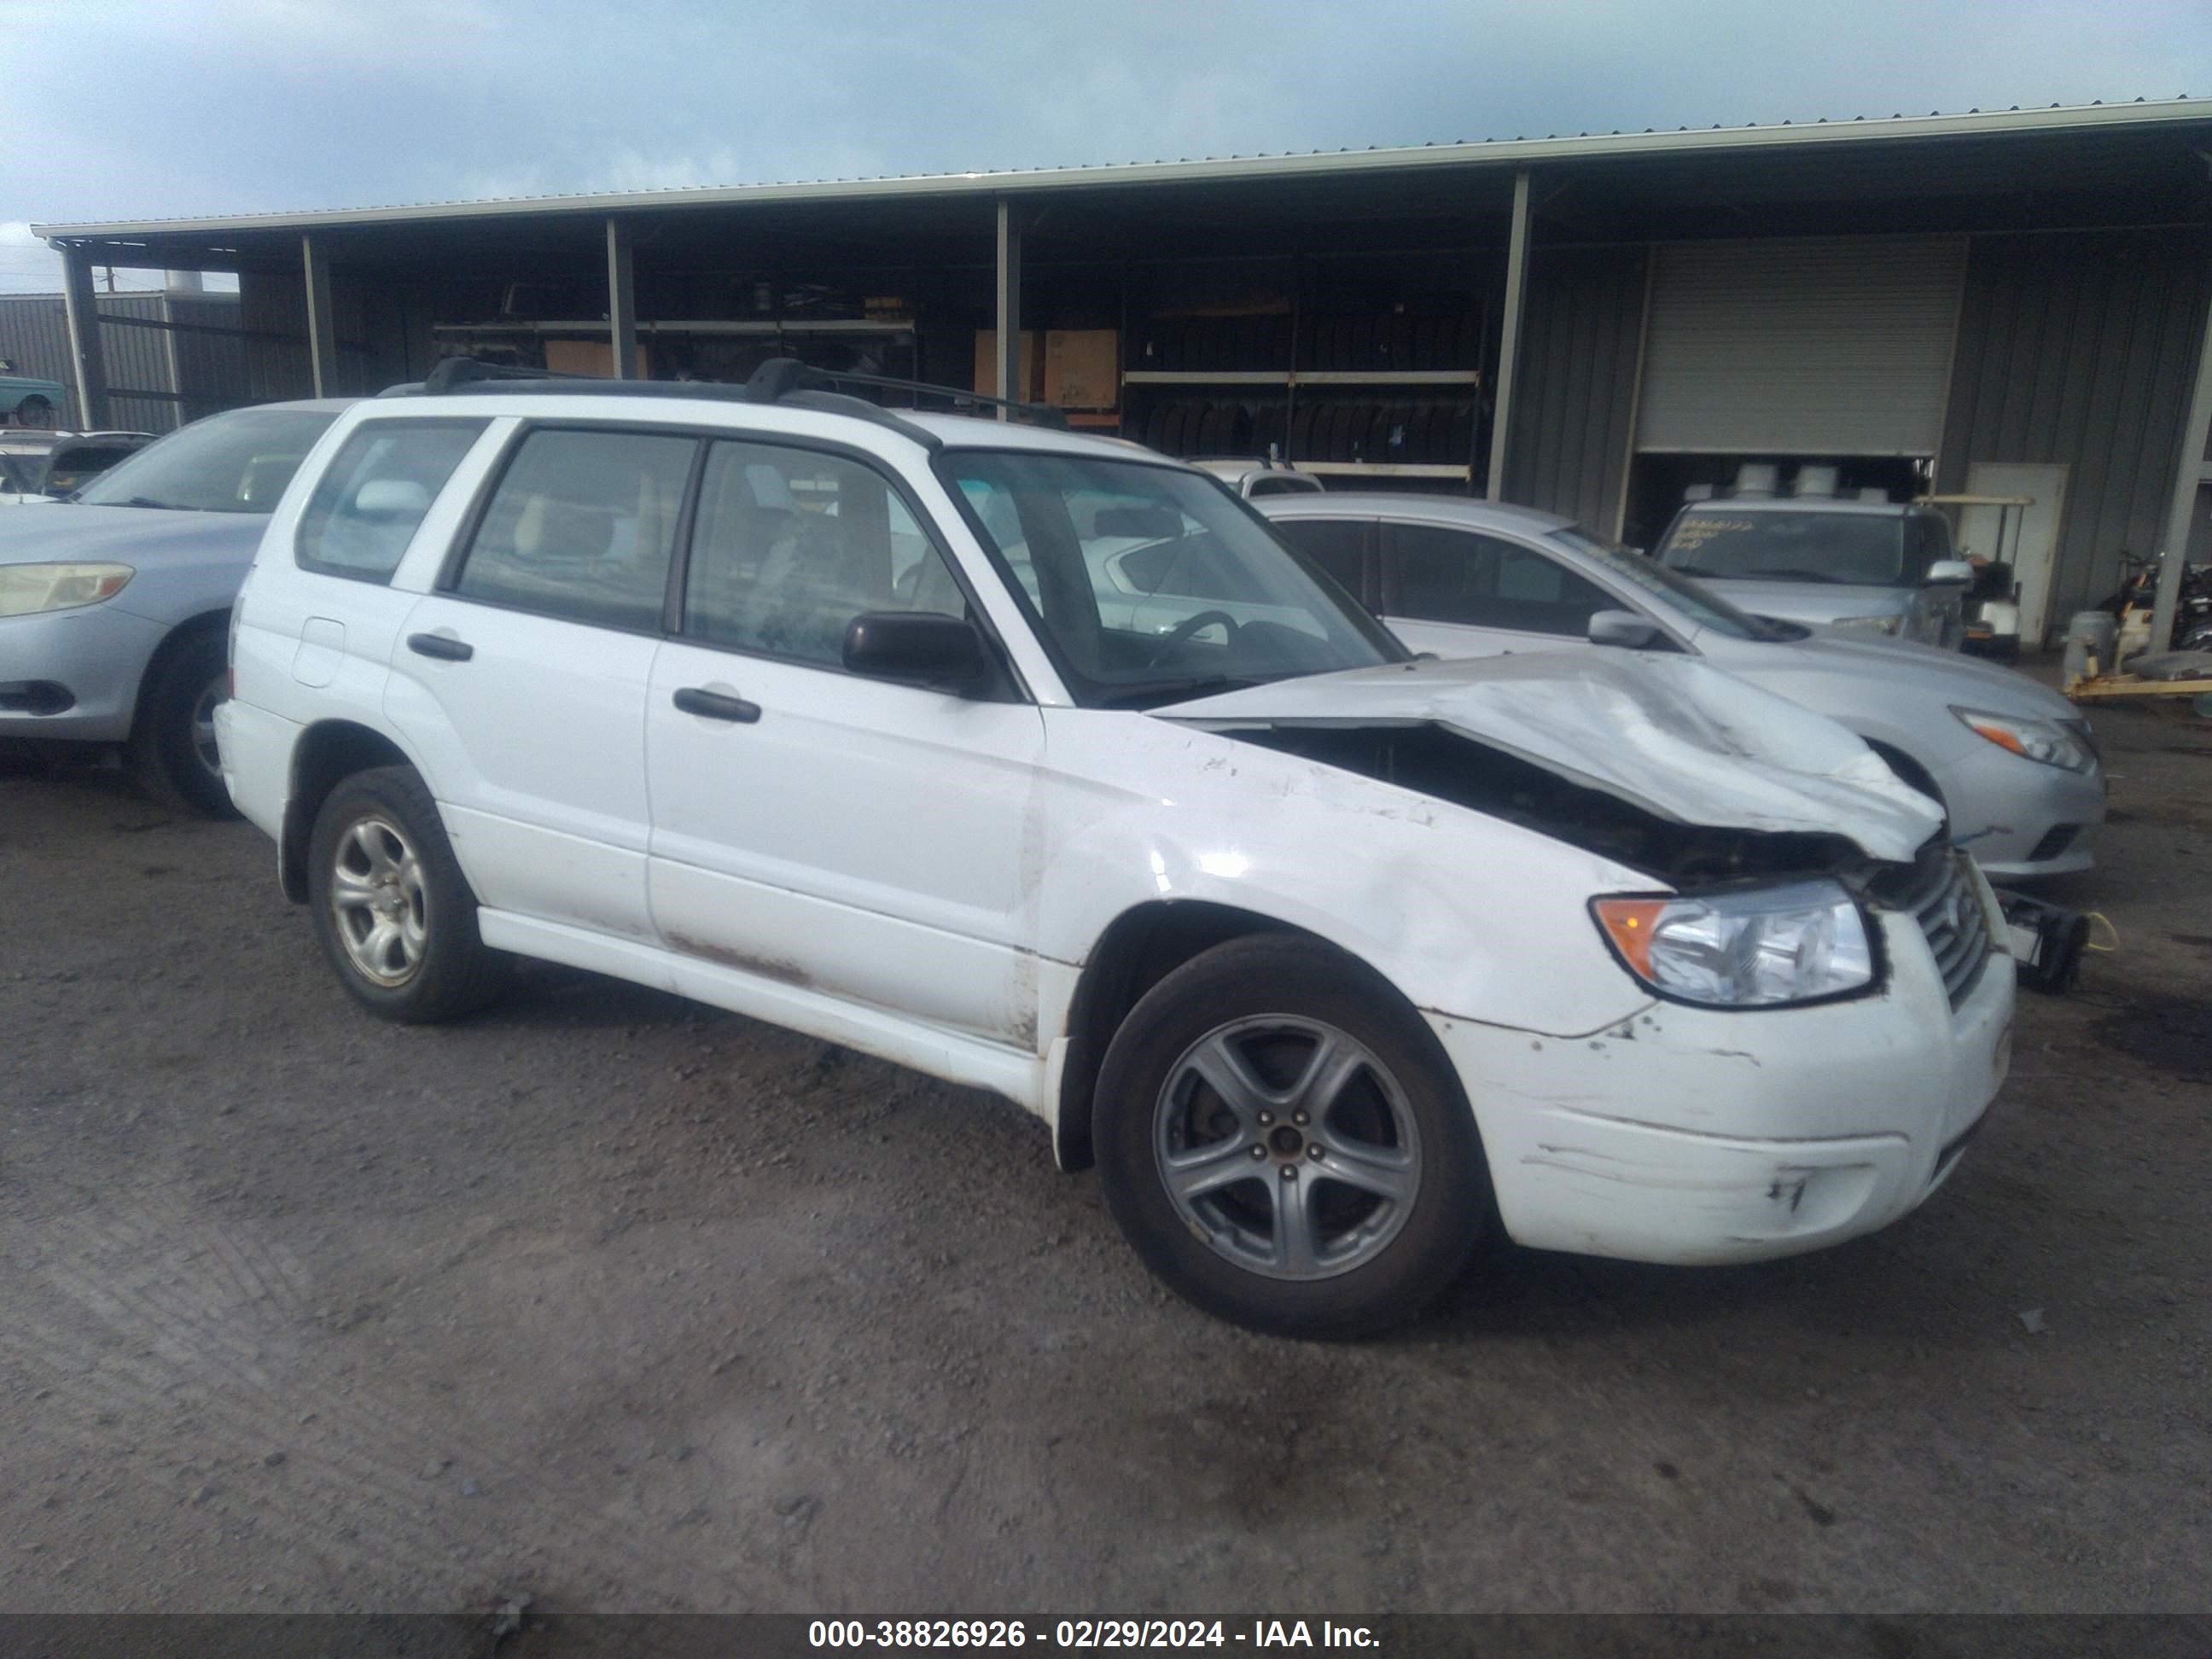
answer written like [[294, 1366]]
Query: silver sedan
[[2013, 763]]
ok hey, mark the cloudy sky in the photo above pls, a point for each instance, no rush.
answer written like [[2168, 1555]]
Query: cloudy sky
[[144, 108]]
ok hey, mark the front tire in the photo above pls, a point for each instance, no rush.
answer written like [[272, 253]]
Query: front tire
[[172, 751], [392, 909], [1284, 1142]]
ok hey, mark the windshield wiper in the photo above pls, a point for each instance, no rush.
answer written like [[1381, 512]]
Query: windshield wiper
[[1163, 691], [1791, 575], [144, 501]]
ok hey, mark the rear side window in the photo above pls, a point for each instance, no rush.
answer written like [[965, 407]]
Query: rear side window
[[371, 497], [1459, 576], [580, 527], [1337, 545]]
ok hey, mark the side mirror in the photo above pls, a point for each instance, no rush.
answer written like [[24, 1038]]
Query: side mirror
[[1946, 573], [923, 647], [1624, 628]]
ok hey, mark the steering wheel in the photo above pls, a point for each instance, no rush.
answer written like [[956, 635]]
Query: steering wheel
[[1188, 626]]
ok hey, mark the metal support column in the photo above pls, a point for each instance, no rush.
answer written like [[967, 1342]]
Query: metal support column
[[2189, 476], [86, 353], [322, 325], [1509, 334], [622, 299], [1009, 342]]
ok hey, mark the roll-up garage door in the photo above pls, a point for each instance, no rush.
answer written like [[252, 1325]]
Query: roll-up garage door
[[1829, 345]]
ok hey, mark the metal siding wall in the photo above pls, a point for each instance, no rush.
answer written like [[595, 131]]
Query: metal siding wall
[[276, 304], [1578, 387], [137, 361], [34, 337], [2078, 348], [213, 369]]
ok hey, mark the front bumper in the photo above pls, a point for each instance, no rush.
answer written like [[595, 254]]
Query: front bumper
[[2009, 812], [90, 660], [1697, 1136]]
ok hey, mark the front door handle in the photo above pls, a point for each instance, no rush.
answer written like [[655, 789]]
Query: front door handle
[[716, 706], [444, 647]]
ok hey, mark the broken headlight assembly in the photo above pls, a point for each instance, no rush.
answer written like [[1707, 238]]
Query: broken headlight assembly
[[1765, 947], [2031, 740], [27, 589]]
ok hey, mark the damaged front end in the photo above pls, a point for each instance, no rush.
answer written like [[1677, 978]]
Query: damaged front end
[[1773, 836]]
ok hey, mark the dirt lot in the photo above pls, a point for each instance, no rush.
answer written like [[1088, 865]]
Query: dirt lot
[[617, 1303]]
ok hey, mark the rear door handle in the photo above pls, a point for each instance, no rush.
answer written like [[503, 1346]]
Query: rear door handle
[[716, 706], [442, 646]]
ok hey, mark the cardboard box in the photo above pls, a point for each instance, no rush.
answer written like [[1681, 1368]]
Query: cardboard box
[[986, 364], [1083, 367], [593, 357]]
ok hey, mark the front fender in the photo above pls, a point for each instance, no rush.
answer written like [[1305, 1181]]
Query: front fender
[[1467, 915]]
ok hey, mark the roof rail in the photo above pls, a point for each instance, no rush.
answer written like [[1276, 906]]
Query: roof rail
[[779, 377], [780, 380]]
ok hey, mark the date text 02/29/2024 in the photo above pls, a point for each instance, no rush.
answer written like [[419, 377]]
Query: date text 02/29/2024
[[1082, 1634]]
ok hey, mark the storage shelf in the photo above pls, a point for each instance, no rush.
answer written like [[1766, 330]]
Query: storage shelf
[[1384, 469], [1302, 377], [749, 326]]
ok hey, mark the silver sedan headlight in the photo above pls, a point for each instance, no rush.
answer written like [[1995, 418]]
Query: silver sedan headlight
[[1751, 948], [28, 588], [2045, 741], [1888, 622]]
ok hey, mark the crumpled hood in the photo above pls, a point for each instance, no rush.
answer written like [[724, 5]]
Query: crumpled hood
[[1665, 732], [130, 535]]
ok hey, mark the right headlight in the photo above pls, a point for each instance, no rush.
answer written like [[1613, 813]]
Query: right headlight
[[1752, 948], [2046, 741], [28, 588], [1888, 622]]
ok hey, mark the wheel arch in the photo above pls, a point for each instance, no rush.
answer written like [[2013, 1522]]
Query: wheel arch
[[1137, 948], [327, 754], [186, 635]]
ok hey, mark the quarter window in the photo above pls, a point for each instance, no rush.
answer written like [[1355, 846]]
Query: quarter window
[[791, 545], [374, 495], [581, 526], [1481, 581]]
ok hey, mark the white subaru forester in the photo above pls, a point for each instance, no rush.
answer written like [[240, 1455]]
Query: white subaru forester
[[1035, 763]]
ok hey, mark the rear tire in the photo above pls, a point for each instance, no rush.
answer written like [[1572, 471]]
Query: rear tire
[[172, 753], [1284, 1142], [392, 911]]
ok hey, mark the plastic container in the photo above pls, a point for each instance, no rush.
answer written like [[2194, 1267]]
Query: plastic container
[[2091, 634]]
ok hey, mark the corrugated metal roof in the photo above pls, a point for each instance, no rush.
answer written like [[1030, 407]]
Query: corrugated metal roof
[[1520, 150]]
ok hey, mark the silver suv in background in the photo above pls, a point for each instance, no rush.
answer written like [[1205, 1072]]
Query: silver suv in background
[[2011, 762], [1878, 567]]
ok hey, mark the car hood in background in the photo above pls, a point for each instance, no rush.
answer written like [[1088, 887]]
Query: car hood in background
[[129, 535], [1665, 732], [1943, 678], [1810, 602]]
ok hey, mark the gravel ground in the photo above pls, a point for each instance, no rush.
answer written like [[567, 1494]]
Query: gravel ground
[[619, 1303]]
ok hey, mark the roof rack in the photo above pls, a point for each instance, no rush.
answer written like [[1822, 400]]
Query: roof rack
[[779, 380]]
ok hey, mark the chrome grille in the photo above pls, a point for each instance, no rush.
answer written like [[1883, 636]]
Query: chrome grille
[[1940, 893]]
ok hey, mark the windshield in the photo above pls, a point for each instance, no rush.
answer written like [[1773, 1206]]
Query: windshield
[[1867, 549], [234, 463], [1149, 584], [1693, 601]]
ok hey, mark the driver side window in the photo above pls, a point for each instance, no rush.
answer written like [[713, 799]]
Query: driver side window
[[790, 545]]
